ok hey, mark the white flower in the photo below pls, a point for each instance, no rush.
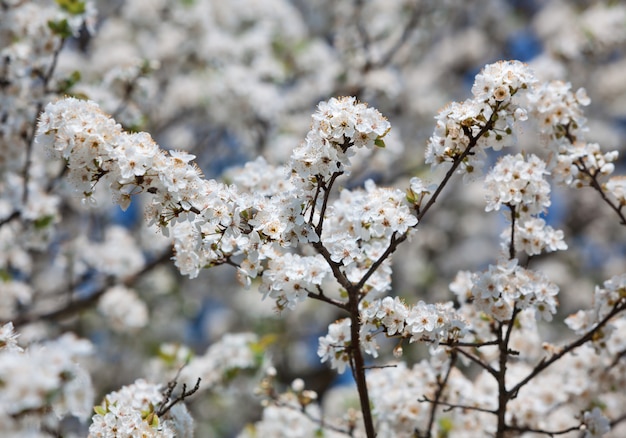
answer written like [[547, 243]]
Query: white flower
[[597, 425], [123, 308], [334, 345]]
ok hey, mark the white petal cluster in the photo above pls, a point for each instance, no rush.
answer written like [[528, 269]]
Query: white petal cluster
[[487, 118], [234, 351], [130, 412], [423, 322], [123, 308], [559, 112], [42, 383], [596, 424], [519, 183], [97, 149], [338, 125], [507, 286], [289, 278], [8, 338], [395, 393], [334, 347], [616, 186], [125, 412], [604, 299], [360, 226]]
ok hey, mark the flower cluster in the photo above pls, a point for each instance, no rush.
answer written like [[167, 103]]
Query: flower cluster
[[293, 412], [506, 288], [596, 424], [559, 112], [131, 411], [42, 383], [485, 121], [423, 322], [336, 344], [96, 149], [605, 300], [289, 278], [338, 125], [8, 338], [222, 359], [519, 183], [123, 308], [359, 228]]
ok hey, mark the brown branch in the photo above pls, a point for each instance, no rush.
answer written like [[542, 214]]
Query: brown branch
[[451, 406], [512, 244], [327, 189], [524, 429], [441, 384], [320, 296], [504, 396], [468, 344], [593, 176], [618, 420], [545, 363], [593, 183], [168, 402], [479, 362], [358, 362]]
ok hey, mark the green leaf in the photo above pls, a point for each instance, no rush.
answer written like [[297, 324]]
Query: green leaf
[[74, 7], [60, 28], [410, 196], [445, 427], [69, 82], [43, 222], [379, 142], [5, 276], [153, 420], [100, 410]]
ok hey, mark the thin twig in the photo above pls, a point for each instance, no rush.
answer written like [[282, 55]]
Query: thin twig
[[479, 362], [451, 406], [169, 403], [441, 384], [525, 429], [512, 243], [320, 296], [545, 363]]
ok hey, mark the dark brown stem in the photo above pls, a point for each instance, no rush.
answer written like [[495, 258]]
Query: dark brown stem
[[320, 296], [545, 363], [593, 178], [451, 406], [358, 362], [457, 162], [327, 190], [550, 433], [504, 336], [479, 362], [441, 385], [593, 182], [512, 243], [169, 402]]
